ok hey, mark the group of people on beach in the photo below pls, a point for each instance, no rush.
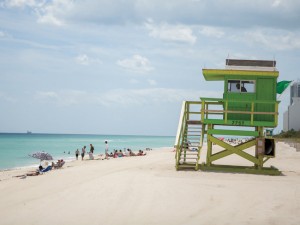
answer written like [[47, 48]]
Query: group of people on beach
[[128, 152], [115, 154], [42, 170], [83, 152]]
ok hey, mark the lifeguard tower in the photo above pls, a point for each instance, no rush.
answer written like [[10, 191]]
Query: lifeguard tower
[[248, 106]]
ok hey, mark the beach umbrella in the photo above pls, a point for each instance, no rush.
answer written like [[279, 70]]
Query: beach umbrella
[[41, 156]]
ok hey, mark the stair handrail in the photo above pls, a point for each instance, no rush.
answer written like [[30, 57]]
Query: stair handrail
[[180, 131], [181, 119]]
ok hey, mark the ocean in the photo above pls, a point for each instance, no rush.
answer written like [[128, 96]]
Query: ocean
[[14, 148]]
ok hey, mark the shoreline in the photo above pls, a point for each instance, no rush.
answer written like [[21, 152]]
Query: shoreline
[[67, 158], [5, 173]]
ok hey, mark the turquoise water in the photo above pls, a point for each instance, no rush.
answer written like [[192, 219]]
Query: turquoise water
[[14, 148]]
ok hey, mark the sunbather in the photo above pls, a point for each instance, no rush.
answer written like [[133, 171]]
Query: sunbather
[[131, 153], [141, 153], [39, 171], [59, 164], [120, 153]]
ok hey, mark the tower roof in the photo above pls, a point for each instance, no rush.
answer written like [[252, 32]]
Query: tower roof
[[240, 68]]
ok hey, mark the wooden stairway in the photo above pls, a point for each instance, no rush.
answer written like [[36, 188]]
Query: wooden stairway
[[190, 147]]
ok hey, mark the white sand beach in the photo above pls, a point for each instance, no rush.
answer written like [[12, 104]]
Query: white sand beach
[[148, 190]]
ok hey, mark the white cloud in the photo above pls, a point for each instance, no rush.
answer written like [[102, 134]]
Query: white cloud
[[275, 13], [152, 82], [173, 33], [83, 59], [126, 97], [52, 13], [276, 3], [136, 63], [133, 81], [7, 98], [272, 39], [2, 34], [20, 3], [48, 12], [63, 98], [47, 94], [211, 32]]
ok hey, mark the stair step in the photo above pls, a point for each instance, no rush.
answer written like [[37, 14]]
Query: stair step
[[182, 158], [191, 144], [186, 165], [189, 152], [194, 122], [189, 155]]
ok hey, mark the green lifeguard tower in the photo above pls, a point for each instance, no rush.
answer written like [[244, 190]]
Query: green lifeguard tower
[[248, 106]]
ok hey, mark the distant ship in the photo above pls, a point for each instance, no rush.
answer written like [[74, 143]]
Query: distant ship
[[29, 132]]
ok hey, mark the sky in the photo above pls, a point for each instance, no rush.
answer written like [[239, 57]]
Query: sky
[[124, 67]]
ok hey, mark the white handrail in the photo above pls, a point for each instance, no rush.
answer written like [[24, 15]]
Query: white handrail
[[180, 123]]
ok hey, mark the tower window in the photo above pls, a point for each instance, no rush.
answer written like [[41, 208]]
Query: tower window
[[244, 86]]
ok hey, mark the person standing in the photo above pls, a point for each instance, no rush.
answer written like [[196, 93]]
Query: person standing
[[83, 152], [106, 149], [77, 154], [92, 148]]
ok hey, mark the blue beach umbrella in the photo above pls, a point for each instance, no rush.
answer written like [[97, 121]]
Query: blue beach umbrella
[[41, 156]]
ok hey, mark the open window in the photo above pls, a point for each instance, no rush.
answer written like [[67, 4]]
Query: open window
[[244, 86]]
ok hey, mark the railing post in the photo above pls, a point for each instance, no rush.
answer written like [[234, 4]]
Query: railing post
[[202, 110], [252, 115], [209, 146], [276, 114], [226, 108]]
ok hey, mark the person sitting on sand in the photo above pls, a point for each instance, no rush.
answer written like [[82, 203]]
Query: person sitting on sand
[[141, 153], [115, 154], [62, 162], [120, 153], [127, 152], [59, 164], [131, 153]]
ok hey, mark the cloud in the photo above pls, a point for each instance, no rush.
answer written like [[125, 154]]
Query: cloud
[[7, 98], [20, 3], [136, 63], [152, 82], [211, 31], [236, 14], [2, 34], [53, 13], [62, 98], [48, 12], [271, 39], [276, 3], [133, 81], [173, 33], [83, 59], [125, 97]]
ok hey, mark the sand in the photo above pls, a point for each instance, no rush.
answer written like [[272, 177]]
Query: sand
[[148, 190]]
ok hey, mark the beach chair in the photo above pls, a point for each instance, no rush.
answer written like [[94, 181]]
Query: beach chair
[[91, 156], [59, 164], [48, 168]]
